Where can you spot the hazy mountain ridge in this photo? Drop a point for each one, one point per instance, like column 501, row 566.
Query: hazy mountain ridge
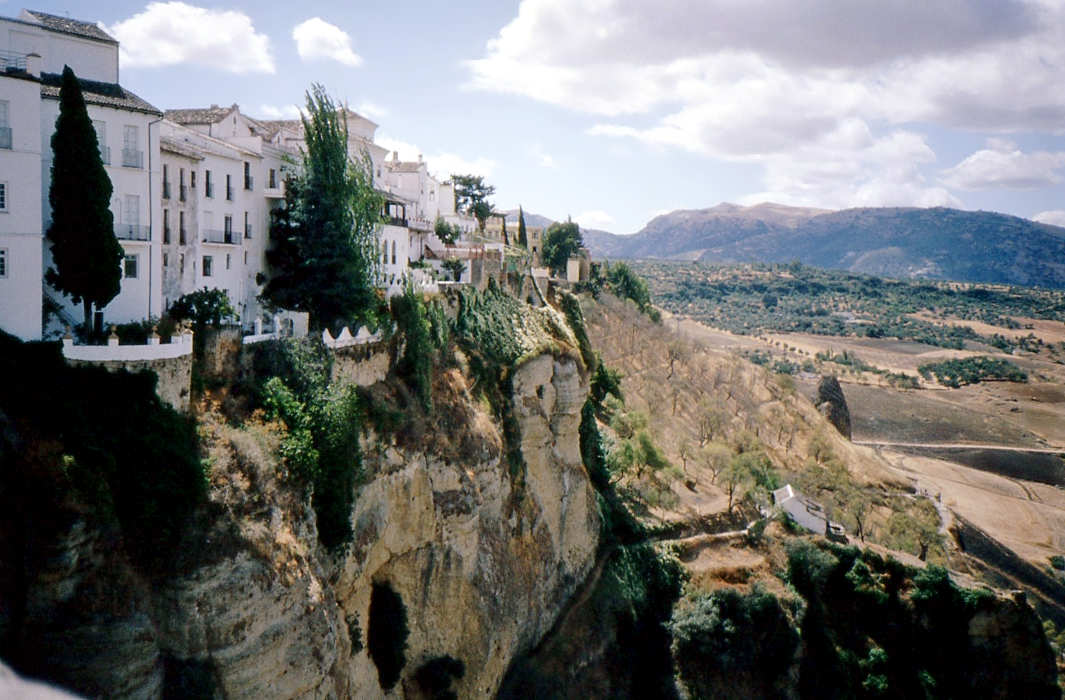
column 891, row 241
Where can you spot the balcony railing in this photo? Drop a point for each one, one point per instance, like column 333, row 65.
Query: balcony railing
column 211, row 235
column 247, row 230
column 11, row 62
column 133, row 232
column 229, row 192
column 274, row 192
column 132, row 158
column 209, row 189
column 105, row 154
column 166, row 189
column 249, row 182
column 395, row 220
column 420, row 224
column 182, row 192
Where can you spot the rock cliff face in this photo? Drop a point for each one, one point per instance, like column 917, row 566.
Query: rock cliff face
column 482, row 555
column 833, row 406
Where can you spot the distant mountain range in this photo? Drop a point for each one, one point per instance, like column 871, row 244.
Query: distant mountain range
column 941, row 243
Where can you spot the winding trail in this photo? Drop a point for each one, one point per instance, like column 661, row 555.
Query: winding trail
column 963, row 446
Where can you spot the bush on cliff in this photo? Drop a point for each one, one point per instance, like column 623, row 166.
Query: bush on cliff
column 322, row 420
column 115, row 447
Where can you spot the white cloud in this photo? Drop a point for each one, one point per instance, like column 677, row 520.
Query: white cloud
column 173, row 33
column 441, row 164
column 279, row 112
column 814, row 92
column 371, row 110
column 595, row 218
column 407, row 151
column 540, row 156
column 444, row 165
column 1055, row 217
column 316, row 39
column 1002, row 164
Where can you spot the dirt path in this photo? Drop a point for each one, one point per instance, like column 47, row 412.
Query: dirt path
column 962, row 446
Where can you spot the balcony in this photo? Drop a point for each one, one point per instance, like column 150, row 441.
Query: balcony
column 11, row 62
column 166, row 190
column 396, row 221
column 249, row 182
column 277, row 191
column 183, row 192
column 211, row 235
column 105, row 155
column 133, row 232
column 420, row 225
column 132, row 158
column 5, row 137
column 229, row 193
column 209, row 189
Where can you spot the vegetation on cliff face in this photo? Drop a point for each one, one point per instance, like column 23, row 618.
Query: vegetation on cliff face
column 323, row 422
column 85, row 437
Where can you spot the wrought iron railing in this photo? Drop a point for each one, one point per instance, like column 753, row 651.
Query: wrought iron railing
column 133, row 232
column 211, row 235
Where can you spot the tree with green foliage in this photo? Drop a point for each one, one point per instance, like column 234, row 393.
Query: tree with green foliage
column 86, row 255
column 203, row 306
column 447, row 233
column 523, row 238
column 471, row 196
column 456, row 267
column 324, row 257
column 561, row 242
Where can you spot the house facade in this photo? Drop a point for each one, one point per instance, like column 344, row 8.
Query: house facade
column 34, row 48
column 193, row 189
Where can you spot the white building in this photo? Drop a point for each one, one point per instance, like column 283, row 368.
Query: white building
column 20, row 200
column 234, row 166
column 35, row 47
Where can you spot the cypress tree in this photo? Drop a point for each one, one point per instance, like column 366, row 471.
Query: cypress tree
column 523, row 241
column 87, row 256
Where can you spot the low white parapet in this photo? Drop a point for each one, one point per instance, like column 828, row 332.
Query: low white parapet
column 179, row 346
column 346, row 339
column 258, row 338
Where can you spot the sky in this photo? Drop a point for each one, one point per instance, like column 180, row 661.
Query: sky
column 615, row 111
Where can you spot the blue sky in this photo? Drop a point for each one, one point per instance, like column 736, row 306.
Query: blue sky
column 612, row 111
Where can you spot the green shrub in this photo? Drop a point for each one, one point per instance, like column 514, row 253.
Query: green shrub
column 725, row 634
column 320, row 448
column 203, row 306
column 972, row 370
column 128, row 456
column 416, row 364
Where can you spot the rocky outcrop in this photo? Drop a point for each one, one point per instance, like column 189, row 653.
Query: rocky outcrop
column 833, row 406
column 482, row 559
column 482, row 551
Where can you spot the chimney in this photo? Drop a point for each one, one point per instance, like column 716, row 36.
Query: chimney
column 33, row 64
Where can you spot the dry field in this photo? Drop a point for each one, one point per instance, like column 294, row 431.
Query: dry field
column 1026, row 516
